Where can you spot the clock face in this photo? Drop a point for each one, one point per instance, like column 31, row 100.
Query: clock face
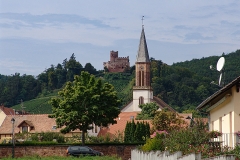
column 141, row 67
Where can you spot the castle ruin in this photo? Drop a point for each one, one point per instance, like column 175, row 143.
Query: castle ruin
column 117, row 64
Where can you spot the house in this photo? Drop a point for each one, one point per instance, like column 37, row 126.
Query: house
column 223, row 108
column 4, row 112
column 32, row 123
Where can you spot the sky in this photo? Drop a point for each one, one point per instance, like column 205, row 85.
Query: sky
column 37, row 34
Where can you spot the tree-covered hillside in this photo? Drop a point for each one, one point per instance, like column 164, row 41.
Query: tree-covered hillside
column 16, row 88
column 181, row 88
column 183, row 85
column 202, row 66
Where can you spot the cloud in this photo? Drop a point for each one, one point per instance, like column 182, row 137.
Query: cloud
column 47, row 32
column 197, row 36
column 18, row 20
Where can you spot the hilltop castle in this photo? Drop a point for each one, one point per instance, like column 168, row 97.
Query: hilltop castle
column 116, row 64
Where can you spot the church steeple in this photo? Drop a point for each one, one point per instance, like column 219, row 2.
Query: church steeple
column 142, row 63
column 142, row 91
column 142, row 55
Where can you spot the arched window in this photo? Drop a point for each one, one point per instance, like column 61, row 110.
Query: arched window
column 141, row 100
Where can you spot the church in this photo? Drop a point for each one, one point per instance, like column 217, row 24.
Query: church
column 142, row 92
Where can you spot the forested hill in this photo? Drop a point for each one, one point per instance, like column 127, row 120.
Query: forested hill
column 186, row 84
column 183, row 85
column 202, row 66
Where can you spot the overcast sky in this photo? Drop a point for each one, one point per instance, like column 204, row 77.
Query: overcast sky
column 36, row 34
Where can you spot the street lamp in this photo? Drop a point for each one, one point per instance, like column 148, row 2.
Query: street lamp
column 13, row 138
column 191, row 122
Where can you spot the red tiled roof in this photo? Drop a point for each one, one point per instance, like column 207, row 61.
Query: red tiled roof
column 204, row 120
column 40, row 122
column 122, row 120
column 6, row 110
column 124, row 117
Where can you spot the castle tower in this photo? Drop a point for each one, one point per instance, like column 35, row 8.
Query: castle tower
column 142, row 91
column 113, row 55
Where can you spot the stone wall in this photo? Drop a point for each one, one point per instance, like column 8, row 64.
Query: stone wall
column 123, row 151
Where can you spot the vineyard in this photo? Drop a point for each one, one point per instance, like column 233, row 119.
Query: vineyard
column 122, row 83
column 36, row 106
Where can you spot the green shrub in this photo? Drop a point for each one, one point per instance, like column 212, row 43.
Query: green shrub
column 156, row 143
column 182, row 140
column 48, row 137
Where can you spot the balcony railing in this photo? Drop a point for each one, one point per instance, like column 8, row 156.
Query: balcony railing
column 227, row 139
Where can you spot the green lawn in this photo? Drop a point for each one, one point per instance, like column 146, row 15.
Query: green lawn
column 64, row 158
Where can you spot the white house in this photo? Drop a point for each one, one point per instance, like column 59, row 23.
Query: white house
column 224, row 112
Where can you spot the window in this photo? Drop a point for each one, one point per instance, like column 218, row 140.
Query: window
column 85, row 149
column 141, row 100
column 24, row 128
column 220, row 124
column 75, row 148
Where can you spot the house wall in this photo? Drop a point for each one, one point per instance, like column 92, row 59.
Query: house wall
column 220, row 116
column 5, row 137
column 94, row 132
column 236, row 109
column 226, row 117
column 2, row 117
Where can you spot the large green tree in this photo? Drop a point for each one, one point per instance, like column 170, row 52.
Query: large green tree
column 85, row 101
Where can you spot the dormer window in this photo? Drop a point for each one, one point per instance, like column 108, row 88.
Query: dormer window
column 24, row 128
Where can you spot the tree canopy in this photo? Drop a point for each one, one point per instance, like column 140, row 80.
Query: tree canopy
column 85, row 101
column 167, row 120
column 148, row 111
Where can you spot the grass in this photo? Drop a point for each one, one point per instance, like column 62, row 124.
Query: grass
column 64, row 158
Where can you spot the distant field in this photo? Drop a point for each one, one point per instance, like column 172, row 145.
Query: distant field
column 65, row 158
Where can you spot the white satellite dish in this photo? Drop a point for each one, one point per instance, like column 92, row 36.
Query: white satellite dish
column 220, row 63
column 219, row 68
column 220, row 79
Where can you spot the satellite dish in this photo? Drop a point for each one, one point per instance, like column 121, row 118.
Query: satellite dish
column 220, row 64
column 219, row 68
column 220, row 79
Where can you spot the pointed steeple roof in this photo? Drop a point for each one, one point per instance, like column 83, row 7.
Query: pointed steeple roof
column 143, row 50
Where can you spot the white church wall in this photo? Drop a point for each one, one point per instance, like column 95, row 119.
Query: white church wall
column 146, row 94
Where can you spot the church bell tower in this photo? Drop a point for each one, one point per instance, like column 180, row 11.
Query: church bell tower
column 142, row 91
